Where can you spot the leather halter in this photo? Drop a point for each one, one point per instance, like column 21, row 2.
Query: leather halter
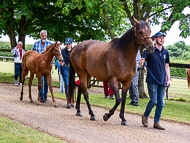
column 141, row 40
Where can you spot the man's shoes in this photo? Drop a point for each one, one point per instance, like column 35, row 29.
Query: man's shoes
column 69, row 105
column 16, row 83
column 20, row 84
column 72, row 105
column 42, row 100
column 133, row 103
column 111, row 97
column 158, row 126
column 45, row 98
column 106, row 96
column 144, row 120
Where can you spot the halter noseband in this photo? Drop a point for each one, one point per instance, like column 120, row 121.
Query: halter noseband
column 142, row 41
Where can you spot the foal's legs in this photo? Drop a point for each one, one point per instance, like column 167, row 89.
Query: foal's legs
column 39, row 87
column 24, row 73
column 48, row 77
column 29, row 85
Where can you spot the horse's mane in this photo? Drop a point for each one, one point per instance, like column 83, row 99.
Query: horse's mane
column 47, row 49
column 126, row 38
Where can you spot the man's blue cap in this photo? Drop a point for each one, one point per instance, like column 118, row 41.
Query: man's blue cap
column 159, row 34
column 68, row 41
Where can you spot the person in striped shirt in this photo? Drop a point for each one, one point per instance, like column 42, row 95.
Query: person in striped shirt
column 40, row 46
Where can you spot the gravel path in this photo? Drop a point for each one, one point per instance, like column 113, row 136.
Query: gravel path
column 62, row 122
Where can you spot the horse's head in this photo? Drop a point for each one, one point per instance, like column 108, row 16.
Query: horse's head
column 57, row 51
column 142, row 34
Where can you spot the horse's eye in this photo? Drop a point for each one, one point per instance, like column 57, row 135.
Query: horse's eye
column 56, row 50
column 141, row 32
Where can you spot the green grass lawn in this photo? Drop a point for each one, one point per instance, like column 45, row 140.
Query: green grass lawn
column 12, row 132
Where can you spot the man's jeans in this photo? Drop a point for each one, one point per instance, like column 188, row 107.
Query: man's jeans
column 156, row 93
column 133, row 90
column 66, row 78
column 18, row 69
column 61, row 82
column 43, row 91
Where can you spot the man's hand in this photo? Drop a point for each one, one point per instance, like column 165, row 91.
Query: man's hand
column 169, row 83
column 141, row 62
column 62, row 64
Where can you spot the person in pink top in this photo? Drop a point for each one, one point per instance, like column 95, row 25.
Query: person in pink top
column 18, row 53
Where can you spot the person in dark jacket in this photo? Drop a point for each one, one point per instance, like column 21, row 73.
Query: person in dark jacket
column 158, row 64
column 65, row 64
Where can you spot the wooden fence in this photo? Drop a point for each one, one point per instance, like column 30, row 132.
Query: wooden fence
column 96, row 83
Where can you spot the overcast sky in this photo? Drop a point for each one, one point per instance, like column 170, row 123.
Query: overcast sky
column 171, row 38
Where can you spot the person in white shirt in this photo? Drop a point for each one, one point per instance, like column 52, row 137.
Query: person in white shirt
column 18, row 53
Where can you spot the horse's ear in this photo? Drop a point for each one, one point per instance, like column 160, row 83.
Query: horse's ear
column 135, row 20
column 146, row 20
column 55, row 43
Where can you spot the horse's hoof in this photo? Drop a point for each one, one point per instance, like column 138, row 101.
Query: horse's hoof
column 56, row 106
column 20, row 99
column 68, row 105
column 105, row 117
column 124, row 123
column 79, row 114
column 31, row 101
column 93, row 118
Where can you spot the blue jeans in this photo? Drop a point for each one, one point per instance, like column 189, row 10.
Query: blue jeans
column 133, row 90
column 61, row 82
column 156, row 93
column 18, row 69
column 66, row 78
column 43, row 91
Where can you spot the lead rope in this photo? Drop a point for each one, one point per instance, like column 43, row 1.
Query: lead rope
column 154, row 77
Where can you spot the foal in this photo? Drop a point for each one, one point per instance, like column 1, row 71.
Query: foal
column 40, row 64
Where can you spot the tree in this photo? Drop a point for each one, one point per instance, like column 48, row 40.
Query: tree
column 61, row 20
column 169, row 11
column 106, row 11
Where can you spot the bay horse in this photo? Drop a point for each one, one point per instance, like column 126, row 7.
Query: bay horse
column 113, row 61
column 40, row 64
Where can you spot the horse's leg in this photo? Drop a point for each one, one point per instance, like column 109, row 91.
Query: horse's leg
column 125, row 87
column 84, row 81
column 39, row 87
column 24, row 73
column 78, row 101
column 29, row 85
column 114, row 87
column 48, row 78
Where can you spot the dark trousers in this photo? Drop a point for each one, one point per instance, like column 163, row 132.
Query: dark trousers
column 18, row 71
column 106, row 90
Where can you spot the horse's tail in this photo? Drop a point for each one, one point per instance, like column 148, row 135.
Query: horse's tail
column 71, row 83
column 24, row 67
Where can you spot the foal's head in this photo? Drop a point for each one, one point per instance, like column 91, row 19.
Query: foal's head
column 142, row 33
column 57, row 51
